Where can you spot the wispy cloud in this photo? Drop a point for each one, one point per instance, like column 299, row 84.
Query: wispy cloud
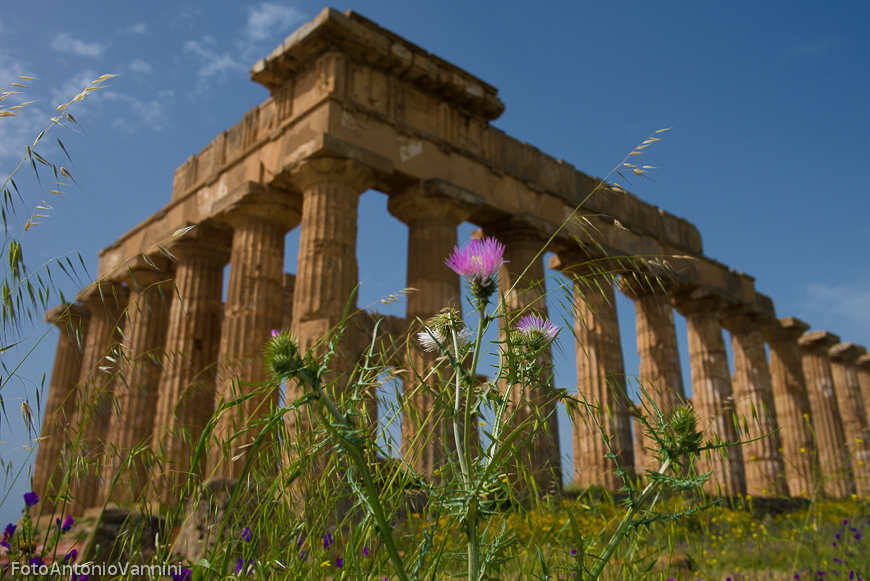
column 268, row 19
column 18, row 131
column 213, row 66
column 66, row 43
column 139, row 67
column 265, row 26
column 136, row 29
column 152, row 113
column 841, row 308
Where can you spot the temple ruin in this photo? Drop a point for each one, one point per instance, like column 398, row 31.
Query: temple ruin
column 354, row 107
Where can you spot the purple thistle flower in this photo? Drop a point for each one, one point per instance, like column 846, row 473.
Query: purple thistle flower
column 478, row 261
column 71, row 556
column 537, row 330
column 30, row 499
column 246, row 535
column 339, row 563
column 183, row 576
column 275, row 333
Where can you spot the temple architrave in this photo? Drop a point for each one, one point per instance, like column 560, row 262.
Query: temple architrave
column 144, row 359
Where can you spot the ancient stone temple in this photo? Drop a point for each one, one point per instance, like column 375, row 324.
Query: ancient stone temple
column 144, row 359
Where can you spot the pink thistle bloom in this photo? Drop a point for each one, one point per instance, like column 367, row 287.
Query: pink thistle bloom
column 478, row 261
column 537, row 329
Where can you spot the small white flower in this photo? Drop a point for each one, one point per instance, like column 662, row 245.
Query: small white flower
column 430, row 339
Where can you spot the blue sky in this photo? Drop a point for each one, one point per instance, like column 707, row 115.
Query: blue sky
column 767, row 155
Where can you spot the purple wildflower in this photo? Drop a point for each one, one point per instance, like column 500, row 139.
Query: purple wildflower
column 327, row 540
column 851, row 575
column 30, row 499
column 183, row 576
column 797, row 576
column 478, row 261
column 240, row 564
column 71, row 556
column 9, row 531
column 246, row 535
column 275, row 333
column 303, row 554
column 845, row 522
column 68, row 522
column 35, row 561
column 77, row 577
column 365, row 550
column 573, row 551
column 339, row 563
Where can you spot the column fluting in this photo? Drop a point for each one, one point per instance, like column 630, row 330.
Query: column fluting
column 712, row 394
column 843, row 357
column 792, row 404
column 660, row 373
column 72, row 322
column 185, row 400
column 831, row 443
column 137, row 383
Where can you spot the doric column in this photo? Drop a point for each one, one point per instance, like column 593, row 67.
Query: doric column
column 185, row 400
column 862, row 369
column 59, row 411
column 843, row 357
column 833, row 456
column 106, row 301
column 792, row 405
column 145, row 324
column 660, row 374
column 260, row 218
column 600, row 375
column 711, row 389
column 432, row 211
column 522, row 282
column 753, row 398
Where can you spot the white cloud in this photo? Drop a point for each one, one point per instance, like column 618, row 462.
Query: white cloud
column 269, row 19
column 213, row 67
column 138, row 28
column 139, row 66
column 151, row 113
column 18, row 131
column 64, row 42
column 841, row 308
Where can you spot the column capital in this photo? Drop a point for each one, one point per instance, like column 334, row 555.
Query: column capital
column 139, row 273
column 519, row 227
column 697, row 300
column 93, row 297
column 863, row 361
column 255, row 201
column 427, row 198
column 748, row 317
column 579, row 262
column 203, row 241
column 847, row 353
column 818, row 341
column 61, row 313
column 642, row 285
column 787, row 328
column 315, row 170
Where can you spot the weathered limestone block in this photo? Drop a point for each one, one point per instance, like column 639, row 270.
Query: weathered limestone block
column 138, row 381
column 59, row 412
column 754, row 405
column 432, row 211
column 260, row 218
column 792, row 405
column 855, row 432
column 660, row 373
column 833, row 456
column 185, row 401
column 600, row 376
column 106, row 301
column 521, row 280
column 711, row 390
